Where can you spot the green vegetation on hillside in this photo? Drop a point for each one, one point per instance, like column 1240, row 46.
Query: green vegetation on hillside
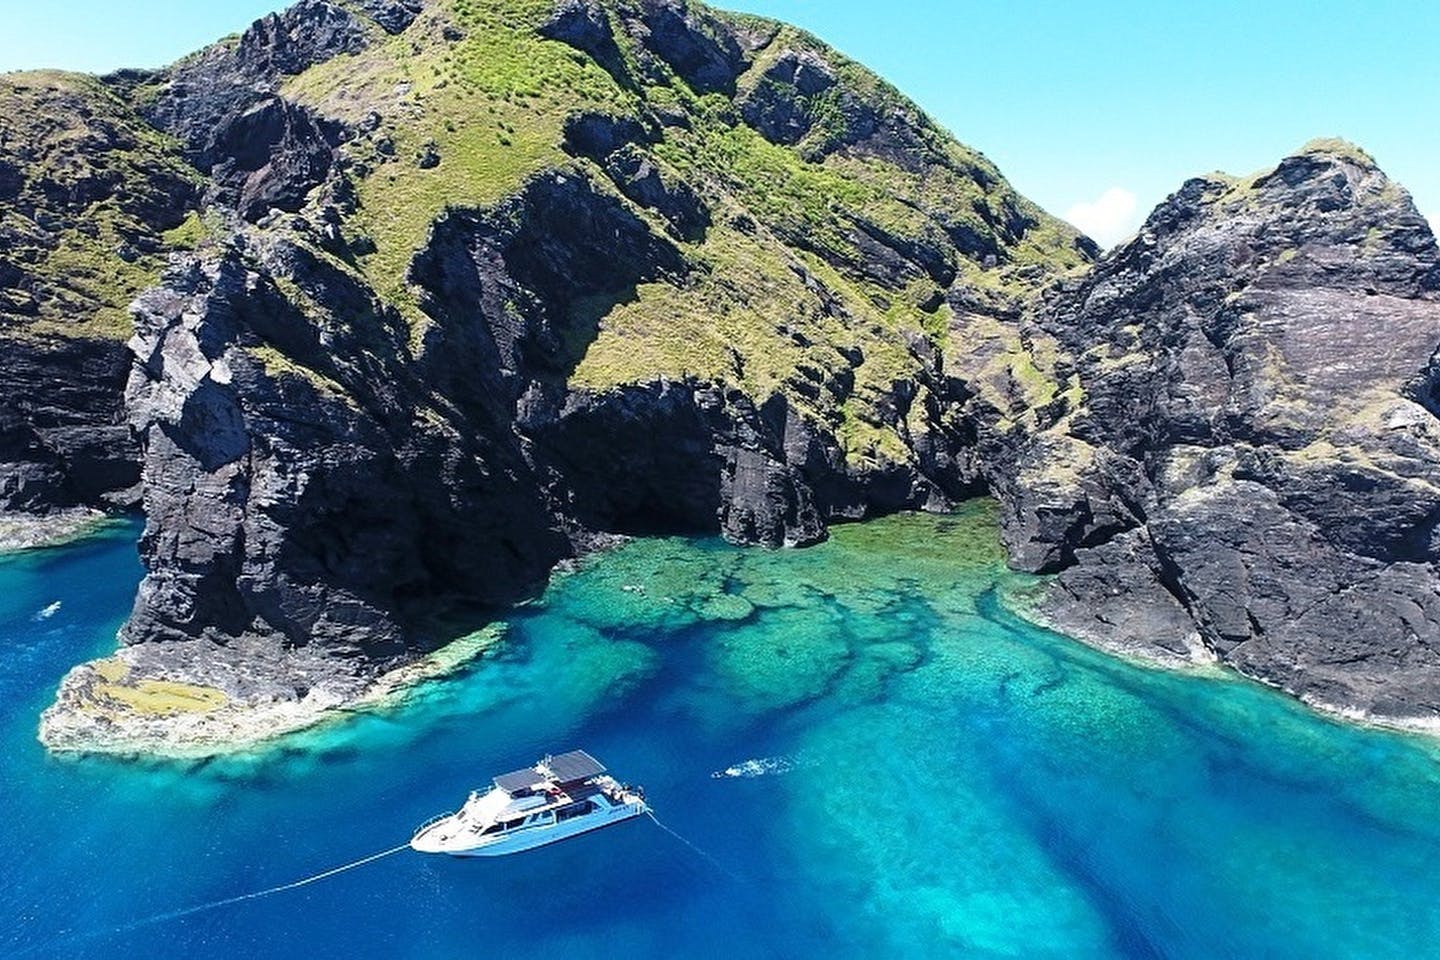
column 491, row 105
column 88, row 192
column 459, row 110
column 780, row 284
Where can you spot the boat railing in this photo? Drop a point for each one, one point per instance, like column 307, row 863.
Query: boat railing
column 431, row 822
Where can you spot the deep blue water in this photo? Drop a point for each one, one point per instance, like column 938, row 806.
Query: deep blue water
column 958, row 784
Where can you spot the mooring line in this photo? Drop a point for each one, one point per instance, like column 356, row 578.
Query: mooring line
column 213, row 904
column 714, row 862
column 304, row 881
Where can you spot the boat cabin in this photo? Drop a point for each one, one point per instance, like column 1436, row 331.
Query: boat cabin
column 554, row 790
column 567, row 770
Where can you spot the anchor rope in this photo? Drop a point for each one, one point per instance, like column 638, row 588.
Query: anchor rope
column 703, row 853
column 215, row 904
column 306, row 881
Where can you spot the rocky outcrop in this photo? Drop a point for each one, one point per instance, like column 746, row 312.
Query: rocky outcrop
column 702, row 50
column 64, row 440
column 392, row 15
column 430, row 337
column 518, row 287
column 196, row 98
column 87, row 193
column 301, row 491
column 684, row 457
column 1256, row 450
column 269, row 157
column 262, row 151
column 584, row 25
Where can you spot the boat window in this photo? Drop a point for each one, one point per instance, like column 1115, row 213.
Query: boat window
column 493, row 828
column 512, row 824
column 574, row 810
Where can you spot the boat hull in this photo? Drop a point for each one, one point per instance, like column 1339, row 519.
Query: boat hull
column 529, row 839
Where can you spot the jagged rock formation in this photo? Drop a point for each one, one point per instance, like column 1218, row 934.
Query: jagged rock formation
column 475, row 286
column 458, row 289
column 87, row 195
column 1256, row 450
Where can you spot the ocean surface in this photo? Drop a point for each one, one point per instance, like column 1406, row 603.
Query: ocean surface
column 871, row 756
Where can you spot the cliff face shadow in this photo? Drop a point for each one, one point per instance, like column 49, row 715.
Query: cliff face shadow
column 638, row 460
column 517, row 290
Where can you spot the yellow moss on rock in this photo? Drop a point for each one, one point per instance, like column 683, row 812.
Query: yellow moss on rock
column 160, row 697
column 111, row 669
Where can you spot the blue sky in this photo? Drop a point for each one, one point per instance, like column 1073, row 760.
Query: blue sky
column 1109, row 104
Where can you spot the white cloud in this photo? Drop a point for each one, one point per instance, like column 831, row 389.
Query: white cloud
column 1108, row 219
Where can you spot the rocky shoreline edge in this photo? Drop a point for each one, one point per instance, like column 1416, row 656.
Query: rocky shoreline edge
column 127, row 706
column 1191, row 656
column 27, row 531
column 109, row 707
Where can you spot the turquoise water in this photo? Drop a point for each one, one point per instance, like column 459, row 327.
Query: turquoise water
column 938, row 779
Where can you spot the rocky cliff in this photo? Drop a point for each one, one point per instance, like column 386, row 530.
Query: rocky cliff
column 91, row 198
column 1252, row 470
column 439, row 294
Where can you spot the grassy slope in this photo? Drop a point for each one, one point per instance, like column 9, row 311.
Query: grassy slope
column 94, row 213
column 493, row 105
column 475, row 83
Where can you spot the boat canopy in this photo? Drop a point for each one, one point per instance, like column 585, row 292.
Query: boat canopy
column 572, row 766
column 565, row 768
column 520, row 780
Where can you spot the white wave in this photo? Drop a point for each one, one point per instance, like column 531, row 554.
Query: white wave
column 49, row 611
column 758, row 767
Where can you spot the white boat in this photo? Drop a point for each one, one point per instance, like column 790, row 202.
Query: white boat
column 558, row 798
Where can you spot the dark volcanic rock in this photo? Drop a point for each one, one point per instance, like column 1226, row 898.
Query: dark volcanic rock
column 519, row 287
column 1254, row 438
column 619, row 144
column 263, row 152
column 639, row 177
column 641, row 459
column 291, row 503
column 701, row 49
column 393, row 15
column 597, row 135
column 200, row 93
column 707, row 50
column 807, row 98
column 679, row 458
column 584, row 25
column 780, row 104
column 63, row 437
column 270, row 157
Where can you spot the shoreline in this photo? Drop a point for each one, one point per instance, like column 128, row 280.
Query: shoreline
column 116, row 707
column 1203, row 662
column 106, row 708
column 20, row 532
